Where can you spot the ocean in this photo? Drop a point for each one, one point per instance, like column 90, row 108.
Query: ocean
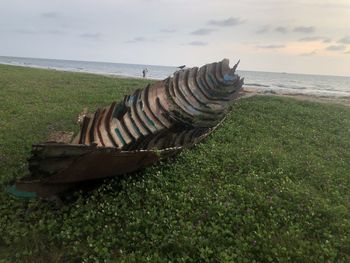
column 269, row 82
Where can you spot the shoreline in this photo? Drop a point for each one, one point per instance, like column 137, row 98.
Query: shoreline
column 247, row 90
column 113, row 75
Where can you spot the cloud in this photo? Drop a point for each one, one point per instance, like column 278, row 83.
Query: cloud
column 307, row 54
column 26, row 31
column 50, row 15
column 203, row 31
column 55, row 32
column 37, row 32
column 270, row 46
column 91, row 35
column 167, row 30
column 263, row 29
column 336, row 48
column 344, row 40
column 281, row 29
column 315, row 38
column 231, row 21
column 140, row 40
column 197, row 43
column 137, row 39
column 304, row 29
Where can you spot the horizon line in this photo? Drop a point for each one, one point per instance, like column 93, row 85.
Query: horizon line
column 248, row 70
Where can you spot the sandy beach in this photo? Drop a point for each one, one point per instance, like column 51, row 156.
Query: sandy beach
column 248, row 92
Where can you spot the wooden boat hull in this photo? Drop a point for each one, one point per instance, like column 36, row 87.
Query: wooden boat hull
column 151, row 124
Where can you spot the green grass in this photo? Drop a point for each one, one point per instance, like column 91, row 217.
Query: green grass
column 271, row 184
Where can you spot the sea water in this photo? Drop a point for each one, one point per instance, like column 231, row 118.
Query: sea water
column 285, row 83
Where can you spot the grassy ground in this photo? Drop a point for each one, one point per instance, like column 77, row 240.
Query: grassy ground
column 272, row 184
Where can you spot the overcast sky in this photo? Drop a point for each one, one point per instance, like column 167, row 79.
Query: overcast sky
column 310, row 36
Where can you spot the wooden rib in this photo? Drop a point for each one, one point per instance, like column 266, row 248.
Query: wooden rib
column 117, row 133
column 98, row 128
column 203, row 119
column 83, row 129
column 210, row 87
column 130, row 126
column 164, row 111
column 234, row 87
column 135, row 116
column 193, row 93
column 164, row 98
column 150, row 126
column 195, row 89
column 87, row 134
column 163, row 105
column 214, row 104
column 182, row 85
column 93, row 130
column 218, row 73
column 178, row 100
column 179, row 92
column 124, row 131
column 146, row 107
column 220, row 76
column 141, row 113
column 152, row 97
column 219, row 94
column 105, row 129
column 211, row 80
column 136, row 126
column 202, row 86
column 222, row 70
column 226, row 89
column 169, row 93
column 190, row 91
column 115, row 141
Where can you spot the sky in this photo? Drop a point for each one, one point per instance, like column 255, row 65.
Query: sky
column 310, row 36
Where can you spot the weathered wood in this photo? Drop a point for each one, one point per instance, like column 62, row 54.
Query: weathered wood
column 150, row 124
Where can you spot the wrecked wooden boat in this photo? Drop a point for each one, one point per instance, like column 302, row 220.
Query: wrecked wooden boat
column 153, row 123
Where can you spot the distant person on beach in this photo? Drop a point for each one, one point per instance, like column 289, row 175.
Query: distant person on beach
column 144, row 72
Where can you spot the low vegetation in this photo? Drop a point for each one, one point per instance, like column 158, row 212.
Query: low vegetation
column 271, row 184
